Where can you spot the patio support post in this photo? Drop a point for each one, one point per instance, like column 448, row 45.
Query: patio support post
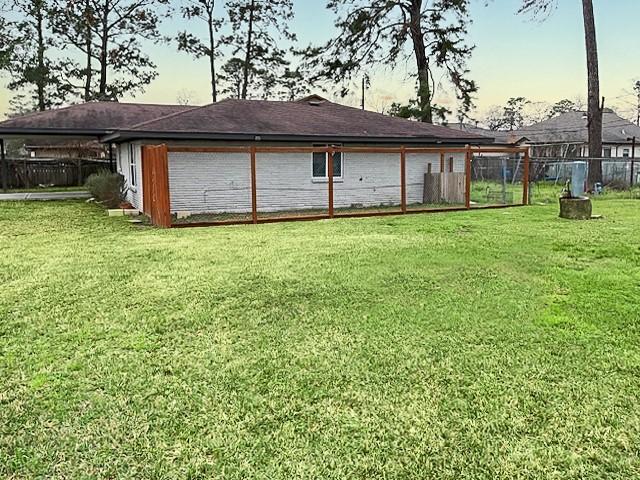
column 254, row 200
column 330, row 179
column 79, row 166
column 403, row 179
column 525, row 178
column 3, row 161
column 467, row 177
column 111, row 162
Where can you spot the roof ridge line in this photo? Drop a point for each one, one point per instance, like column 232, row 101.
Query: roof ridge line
column 41, row 112
column 171, row 115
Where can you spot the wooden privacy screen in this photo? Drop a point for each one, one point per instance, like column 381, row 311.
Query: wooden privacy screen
column 155, row 180
column 155, row 185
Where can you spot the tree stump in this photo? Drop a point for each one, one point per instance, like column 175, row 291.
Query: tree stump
column 576, row 208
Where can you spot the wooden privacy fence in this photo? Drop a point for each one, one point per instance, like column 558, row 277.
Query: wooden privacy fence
column 30, row 172
column 453, row 186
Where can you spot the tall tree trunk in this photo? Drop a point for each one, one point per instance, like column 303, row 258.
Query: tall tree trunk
column 247, row 57
column 104, row 45
column 88, row 18
column 41, row 79
column 422, row 62
column 594, row 108
column 212, row 58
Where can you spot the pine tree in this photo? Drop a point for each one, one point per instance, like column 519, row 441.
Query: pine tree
column 25, row 45
column 108, row 35
column 378, row 32
column 257, row 28
column 204, row 11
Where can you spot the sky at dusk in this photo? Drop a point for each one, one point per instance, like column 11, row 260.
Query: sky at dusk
column 514, row 56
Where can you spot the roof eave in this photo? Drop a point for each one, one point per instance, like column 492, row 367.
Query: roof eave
column 123, row 136
column 64, row 132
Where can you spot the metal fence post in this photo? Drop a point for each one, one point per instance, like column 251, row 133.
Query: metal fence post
column 467, row 177
column 525, row 179
column 3, row 166
column 254, row 200
column 330, row 180
column 403, row 179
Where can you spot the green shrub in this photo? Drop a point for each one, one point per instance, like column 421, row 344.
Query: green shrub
column 108, row 188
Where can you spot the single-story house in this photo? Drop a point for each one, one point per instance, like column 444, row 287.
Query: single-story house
column 210, row 171
column 64, row 149
column 567, row 136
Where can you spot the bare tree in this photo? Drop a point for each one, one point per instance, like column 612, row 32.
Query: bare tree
column 185, row 97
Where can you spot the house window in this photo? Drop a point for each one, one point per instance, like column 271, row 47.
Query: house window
column 625, row 153
column 320, row 161
column 132, row 165
column 607, row 152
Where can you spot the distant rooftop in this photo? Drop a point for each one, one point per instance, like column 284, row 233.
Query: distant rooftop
column 572, row 128
column 499, row 136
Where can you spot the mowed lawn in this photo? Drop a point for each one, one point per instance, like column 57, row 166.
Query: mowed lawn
column 487, row 344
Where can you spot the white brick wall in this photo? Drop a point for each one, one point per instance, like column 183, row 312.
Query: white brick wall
column 217, row 183
column 134, row 194
column 210, row 182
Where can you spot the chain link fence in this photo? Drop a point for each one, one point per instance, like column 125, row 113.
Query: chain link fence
column 549, row 176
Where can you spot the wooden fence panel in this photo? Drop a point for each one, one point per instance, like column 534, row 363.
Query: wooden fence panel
column 444, row 188
column 28, row 172
column 155, row 185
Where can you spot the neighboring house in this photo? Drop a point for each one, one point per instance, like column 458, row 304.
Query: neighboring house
column 566, row 136
column 64, row 149
column 205, row 182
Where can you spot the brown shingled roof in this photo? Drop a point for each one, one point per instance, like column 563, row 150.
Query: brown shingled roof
column 294, row 119
column 92, row 117
column 310, row 119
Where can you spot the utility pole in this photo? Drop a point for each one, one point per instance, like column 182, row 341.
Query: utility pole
column 363, row 90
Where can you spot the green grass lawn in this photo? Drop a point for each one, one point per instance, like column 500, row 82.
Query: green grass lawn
column 486, row 344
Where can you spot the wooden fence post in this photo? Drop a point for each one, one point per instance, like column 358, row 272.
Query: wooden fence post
column 254, row 199
column 403, row 179
column 330, row 180
column 525, row 179
column 467, row 177
column 79, row 162
column 25, row 172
